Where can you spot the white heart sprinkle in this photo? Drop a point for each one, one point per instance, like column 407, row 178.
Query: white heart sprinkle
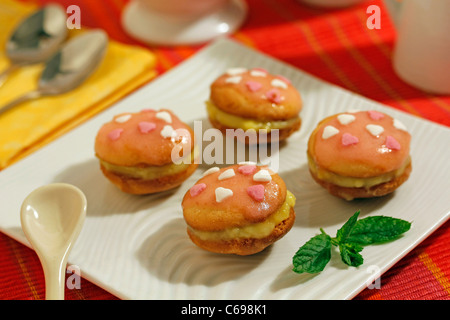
column 123, row 118
column 210, row 171
column 399, row 125
column 262, row 175
column 279, row 83
column 329, row 131
column 222, row 194
column 258, row 73
column 164, row 115
column 247, row 163
column 235, row 79
column 227, row 174
column 235, row 71
column 167, row 132
column 345, row 119
column 374, row 129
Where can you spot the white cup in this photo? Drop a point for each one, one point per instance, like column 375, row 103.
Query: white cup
column 182, row 22
column 187, row 9
column 422, row 51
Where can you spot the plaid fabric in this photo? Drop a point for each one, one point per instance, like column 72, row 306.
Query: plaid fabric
column 334, row 45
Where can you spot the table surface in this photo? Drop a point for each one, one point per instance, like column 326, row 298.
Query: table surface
column 334, row 45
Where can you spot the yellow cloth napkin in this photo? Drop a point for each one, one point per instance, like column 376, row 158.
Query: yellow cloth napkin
column 32, row 124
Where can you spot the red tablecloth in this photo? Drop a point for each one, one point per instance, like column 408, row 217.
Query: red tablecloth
column 334, row 45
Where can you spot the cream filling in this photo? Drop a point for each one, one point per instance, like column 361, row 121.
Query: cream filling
column 151, row 172
column 353, row 182
column 234, row 121
column 257, row 230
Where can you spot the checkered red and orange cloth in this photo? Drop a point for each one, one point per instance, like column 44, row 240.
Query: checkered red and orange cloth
column 334, row 45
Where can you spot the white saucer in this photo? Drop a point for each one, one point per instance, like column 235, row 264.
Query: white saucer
column 157, row 28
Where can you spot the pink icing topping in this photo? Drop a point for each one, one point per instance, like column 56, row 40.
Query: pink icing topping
column 391, row 143
column 256, row 192
column 273, row 95
column 115, row 134
column 197, row 189
column 375, row 115
column 247, row 169
column 348, row 139
column 253, row 85
column 146, row 127
column 375, row 153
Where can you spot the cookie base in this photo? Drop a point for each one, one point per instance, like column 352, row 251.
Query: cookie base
column 139, row 186
column 356, row 193
column 246, row 246
column 283, row 133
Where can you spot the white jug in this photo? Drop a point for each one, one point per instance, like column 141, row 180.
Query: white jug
column 422, row 51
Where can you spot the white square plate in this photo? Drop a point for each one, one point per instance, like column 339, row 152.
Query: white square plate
column 136, row 247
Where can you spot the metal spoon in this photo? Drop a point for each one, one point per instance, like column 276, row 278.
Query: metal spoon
column 69, row 67
column 36, row 38
column 52, row 217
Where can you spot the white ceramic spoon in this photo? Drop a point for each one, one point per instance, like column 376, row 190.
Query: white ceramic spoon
column 52, row 217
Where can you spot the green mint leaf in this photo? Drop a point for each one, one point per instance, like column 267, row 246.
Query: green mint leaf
column 350, row 254
column 344, row 232
column 377, row 229
column 314, row 255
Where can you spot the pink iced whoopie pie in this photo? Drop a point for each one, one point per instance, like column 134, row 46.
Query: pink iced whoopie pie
column 135, row 151
column 255, row 99
column 240, row 209
column 360, row 154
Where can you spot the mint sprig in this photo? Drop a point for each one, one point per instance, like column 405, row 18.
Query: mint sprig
column 351, row 238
